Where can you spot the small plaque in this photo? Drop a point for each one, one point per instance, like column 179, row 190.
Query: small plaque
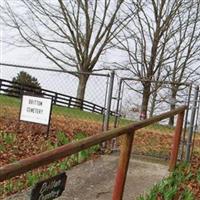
column 49, row 189
column 35, row 109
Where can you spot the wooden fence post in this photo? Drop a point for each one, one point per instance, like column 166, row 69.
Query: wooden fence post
column 81, row 104
column 69, row 104
column 176, row 141
column 55, row 98
column 93, row 109
column 125, row 152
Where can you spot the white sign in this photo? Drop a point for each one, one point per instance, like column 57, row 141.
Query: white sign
column 35, row 109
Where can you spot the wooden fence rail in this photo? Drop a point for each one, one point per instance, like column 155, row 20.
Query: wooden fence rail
column 25, row 165
column 17, row 90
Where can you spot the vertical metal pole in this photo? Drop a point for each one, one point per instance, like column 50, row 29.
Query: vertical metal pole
column 122, row 96
column 124, row 158
column 118, row 101
column 197, row 116
column 105, row 102
column 49, row 123
column 195, row 129
column 192, row 121
column 183, row 142
column 109, row 101
column 176, row 141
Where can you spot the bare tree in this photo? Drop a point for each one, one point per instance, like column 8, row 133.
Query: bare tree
column 146, row 41
column 154, row 91
column 186, row 48
column 70, row 33
column 151, row 42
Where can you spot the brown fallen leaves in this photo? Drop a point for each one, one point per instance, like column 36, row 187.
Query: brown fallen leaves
column 30, row 140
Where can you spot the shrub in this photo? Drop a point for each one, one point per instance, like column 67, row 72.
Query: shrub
column 24, row 83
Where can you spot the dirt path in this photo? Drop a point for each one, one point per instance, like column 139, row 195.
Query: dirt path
column 93, row 180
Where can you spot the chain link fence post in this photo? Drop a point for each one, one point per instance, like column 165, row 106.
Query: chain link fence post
column 183, row 140
column 106, row 119
column 118, row 103
column 192, row 121
column 109, row 101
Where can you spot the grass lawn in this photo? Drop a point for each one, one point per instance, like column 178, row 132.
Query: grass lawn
column 9, row 101
column 6, row 101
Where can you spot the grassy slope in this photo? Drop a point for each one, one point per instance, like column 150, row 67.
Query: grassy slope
column 57, row 110
column 76, row 113
column 60, row 110
column 9, row 101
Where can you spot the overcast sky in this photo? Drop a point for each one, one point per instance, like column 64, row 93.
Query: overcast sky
column 96, row 87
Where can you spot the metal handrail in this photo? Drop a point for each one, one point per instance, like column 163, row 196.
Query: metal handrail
column 25, row 165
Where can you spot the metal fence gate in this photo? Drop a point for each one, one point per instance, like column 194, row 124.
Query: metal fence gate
column 128, row 106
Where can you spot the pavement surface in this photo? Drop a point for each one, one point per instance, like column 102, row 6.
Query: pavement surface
column 94, row 180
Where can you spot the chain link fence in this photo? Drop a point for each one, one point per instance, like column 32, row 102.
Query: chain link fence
column 104, row 92
column 72, row 119
column 70, row 114
column 156, row 140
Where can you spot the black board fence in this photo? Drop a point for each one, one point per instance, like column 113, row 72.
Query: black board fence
column 12, row 89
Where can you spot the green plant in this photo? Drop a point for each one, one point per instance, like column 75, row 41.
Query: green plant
column 64, row 165
column 9, row 138
column 151, row 195
column 61, row 138
column 94, row 149
column 49, row 145
column 79, row 136
column 187, row 195
column 9, row 186
column 168, row 188
column 170, row 192
column 84, row 154
column 32, row 178
column 2, row 148
column 19, row 185
column 52, row 170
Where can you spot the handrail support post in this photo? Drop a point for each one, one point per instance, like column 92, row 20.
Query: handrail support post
column 176, row 141
column 125, row 153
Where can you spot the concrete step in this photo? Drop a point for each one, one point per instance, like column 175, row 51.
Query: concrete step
column 93, row 180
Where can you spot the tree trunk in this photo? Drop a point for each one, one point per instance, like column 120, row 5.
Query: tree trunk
column 153, row 104
column 83, row 78
column 145, row 100
column 172, row 105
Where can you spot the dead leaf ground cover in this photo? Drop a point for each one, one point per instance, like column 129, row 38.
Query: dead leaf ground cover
column 20, row 140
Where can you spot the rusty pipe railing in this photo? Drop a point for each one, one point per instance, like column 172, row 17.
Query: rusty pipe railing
column 25, row 165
